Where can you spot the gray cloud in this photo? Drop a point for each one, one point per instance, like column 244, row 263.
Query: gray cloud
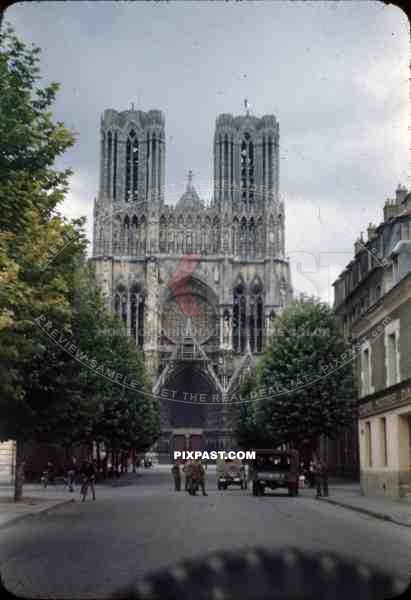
column 335, row 74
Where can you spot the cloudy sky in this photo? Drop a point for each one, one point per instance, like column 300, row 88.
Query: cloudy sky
column 335, row 74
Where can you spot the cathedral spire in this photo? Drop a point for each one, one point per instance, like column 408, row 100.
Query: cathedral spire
column 189, row 181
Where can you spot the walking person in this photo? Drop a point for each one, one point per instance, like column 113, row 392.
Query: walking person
column 71, row 474
column 187, row 472
column 321, row 478
column 88, row 473
column 197, row 478
column 202, row 472
column 175, row 470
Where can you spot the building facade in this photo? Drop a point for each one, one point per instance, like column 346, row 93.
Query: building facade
column 373, row 300
column 7, row 461
column 240, row 279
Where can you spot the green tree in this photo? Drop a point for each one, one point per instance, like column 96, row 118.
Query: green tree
column 307, row 396
column 126, row 416
column 31, row 228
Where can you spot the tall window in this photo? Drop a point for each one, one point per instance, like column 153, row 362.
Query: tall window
column 366, row 372
column 115, row 167
column 117, row 305
column 133, row 316
column 132, row 161
column 247, row 172
column 251, row 239
column 140, row 334
column 239, row 320
column 109, row 158
column 243, row 238
column 368, row 444
column 135, row 161
column 384, row 452
column 124, row 309
column 256, row 319
column 392, row 359
column 128, row 192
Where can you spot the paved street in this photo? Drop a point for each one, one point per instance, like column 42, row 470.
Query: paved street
column 93, row 548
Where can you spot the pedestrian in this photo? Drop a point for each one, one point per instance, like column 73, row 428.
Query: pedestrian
column 202, row 478
column 88, row 473
column 311, row 474
column 321, row 478
column 197, row 478
column 71, row 474
column 187, row 472
column 175, row 470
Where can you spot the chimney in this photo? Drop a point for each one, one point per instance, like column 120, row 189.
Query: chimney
column 391, row 209
column 358, row 245
column 371, row 232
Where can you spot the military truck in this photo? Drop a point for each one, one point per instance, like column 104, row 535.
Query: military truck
column 231, row 472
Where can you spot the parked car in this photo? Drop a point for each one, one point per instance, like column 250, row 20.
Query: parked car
column 275, row 469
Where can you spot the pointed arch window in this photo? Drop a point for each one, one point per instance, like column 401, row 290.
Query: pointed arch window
column 216, row 236
column 236, row 235
column 117, row 233
column 256, row 318
column 115, row 167
column 127, row 196
column 133, row 316
column 109, row 158
column 142, row 236
column 124, row 309
column 260, row 238
column 134, row 236
column 239, row 320
column 140, row 333
column 243, row 238
column 135, row 160
column 125, row 234
column 117, row 305
column 251, row 238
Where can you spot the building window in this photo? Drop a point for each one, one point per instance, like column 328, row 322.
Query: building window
column 384, row 452
column 239, row 320
column 368, row 444
column 256, row 318
column 366, row 371
column 109, row 152
column 115, row 167
column 392, row 359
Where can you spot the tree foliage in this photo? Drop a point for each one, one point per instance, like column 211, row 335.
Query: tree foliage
column 46, row 393
column 309, row 388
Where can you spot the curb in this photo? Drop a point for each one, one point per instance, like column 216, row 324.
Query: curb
column 46, row 509
column 366, row 511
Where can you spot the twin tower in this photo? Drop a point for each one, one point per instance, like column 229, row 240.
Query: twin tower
column 143, row 225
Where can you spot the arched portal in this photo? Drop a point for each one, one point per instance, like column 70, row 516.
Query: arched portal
column 184, row 414
column 189, row 388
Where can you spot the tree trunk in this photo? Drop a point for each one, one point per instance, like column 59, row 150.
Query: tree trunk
column 19, row 473
column 134, row 458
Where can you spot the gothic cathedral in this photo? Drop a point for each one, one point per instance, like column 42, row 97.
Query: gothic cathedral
column 240, row 279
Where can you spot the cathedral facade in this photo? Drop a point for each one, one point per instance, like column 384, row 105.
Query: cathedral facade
column 231, row 245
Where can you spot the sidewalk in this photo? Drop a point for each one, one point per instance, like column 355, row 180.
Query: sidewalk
column 35, row 500
column 349, row 496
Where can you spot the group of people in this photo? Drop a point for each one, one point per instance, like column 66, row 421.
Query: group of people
column 317, row 476
column 87, row 473
column 194, row 473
